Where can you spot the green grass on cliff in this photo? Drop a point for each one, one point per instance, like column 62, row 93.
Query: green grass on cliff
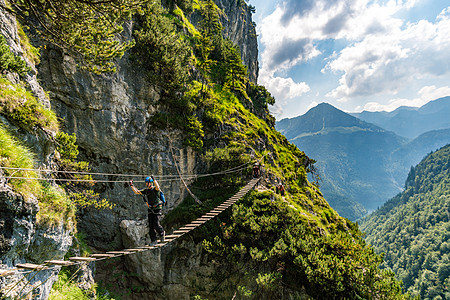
column 65, row 288
column 55, row 206
column 21, row 107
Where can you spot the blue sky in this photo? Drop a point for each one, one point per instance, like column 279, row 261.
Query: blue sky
column 354, row 54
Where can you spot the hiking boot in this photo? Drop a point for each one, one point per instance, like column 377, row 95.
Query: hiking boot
column 153, row 243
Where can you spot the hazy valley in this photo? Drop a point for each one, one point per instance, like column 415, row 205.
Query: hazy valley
column 361, row 164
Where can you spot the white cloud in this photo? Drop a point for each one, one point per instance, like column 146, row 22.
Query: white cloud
column 426, row 94
column 432, row 92
column 385, row 55
column 283, row 88
column 369, row 65
column 276, row 109
column 392, row 105
column 388, row 63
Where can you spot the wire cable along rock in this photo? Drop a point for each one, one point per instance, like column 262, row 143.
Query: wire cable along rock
column 53, row 264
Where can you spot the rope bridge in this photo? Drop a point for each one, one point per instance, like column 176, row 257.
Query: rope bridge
column 52, row 264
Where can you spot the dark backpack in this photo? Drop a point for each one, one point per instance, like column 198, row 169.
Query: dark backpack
column 153, row 198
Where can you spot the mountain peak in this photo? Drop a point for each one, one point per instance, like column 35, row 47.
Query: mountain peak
column 318, row 118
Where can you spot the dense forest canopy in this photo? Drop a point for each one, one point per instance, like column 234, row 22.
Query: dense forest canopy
column 413, row 228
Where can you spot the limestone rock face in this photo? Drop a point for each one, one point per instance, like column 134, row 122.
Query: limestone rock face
column 8, row 28
column 111, row 115
column 170, row 272
column 22, row 241
column 239, row 28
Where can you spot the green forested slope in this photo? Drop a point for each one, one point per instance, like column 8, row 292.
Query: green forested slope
column 413, row 229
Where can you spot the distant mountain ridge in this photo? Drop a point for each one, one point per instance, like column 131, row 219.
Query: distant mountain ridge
column 412, row 121
column 361, row 165
column 323, row 116
column 347, row 151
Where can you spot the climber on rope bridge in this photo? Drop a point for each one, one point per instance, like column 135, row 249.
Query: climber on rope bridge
column 152, row 196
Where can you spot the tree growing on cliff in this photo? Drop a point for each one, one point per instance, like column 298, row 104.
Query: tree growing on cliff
column 89, row 29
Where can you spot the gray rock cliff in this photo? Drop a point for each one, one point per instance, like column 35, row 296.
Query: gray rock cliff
column 239, row 27
column 21, row 239
column 111, row 116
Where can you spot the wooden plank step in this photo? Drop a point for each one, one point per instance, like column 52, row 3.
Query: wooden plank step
column 206, row 219
column 189, row 226
column 76, row 258
column 59, row 262
column 133, row 250
column 29, row 266
column 148, row 247
column 101, row 255
column 230, row 202
column 4, row 273
column 199, row 221
column 119, row 252
column 233, row 199
column 172, row 236
column 160, row 244
column 168, row 240
column 181, row 231
column 212, row 213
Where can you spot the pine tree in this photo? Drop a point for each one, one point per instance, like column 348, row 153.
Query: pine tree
column 89, row 29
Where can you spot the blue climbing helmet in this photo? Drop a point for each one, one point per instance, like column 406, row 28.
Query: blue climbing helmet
column 148, row 179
